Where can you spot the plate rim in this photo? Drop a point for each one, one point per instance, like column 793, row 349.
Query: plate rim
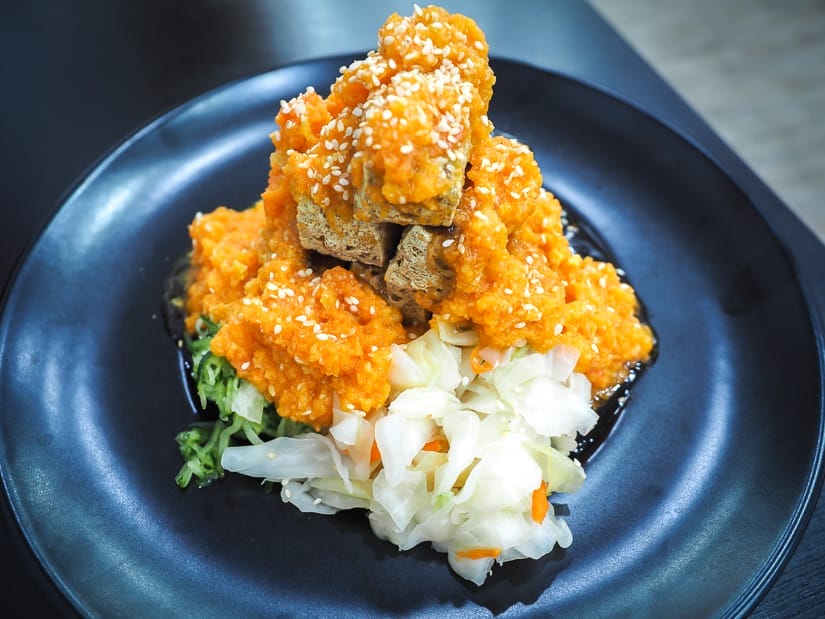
column 794, row 528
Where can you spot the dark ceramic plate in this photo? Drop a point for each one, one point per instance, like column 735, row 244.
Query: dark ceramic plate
column 690, row 508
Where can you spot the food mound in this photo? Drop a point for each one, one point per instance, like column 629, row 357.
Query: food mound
column 400, row 324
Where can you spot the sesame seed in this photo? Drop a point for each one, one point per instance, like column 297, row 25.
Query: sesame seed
column 447, row 242
column 558, row 328
column 277, row 329
column 406, row 149
column 245, row 365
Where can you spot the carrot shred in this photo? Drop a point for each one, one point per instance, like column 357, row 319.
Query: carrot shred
column 375, row 454
column 437, row 444
column 479, row 553
column 540, row 503
column 478, row 364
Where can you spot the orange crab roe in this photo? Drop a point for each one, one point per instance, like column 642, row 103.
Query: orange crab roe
column 517, row 280
column 319, row 137
column 303, row 335
column 299, row 336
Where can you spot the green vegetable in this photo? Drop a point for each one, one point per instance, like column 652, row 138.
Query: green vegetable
column 202, row 446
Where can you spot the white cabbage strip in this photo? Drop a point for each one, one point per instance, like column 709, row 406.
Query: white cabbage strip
column 462, row 455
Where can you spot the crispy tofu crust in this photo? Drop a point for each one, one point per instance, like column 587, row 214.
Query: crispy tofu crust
column 345, row 238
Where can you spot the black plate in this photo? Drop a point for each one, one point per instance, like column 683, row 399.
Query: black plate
column 690, row 508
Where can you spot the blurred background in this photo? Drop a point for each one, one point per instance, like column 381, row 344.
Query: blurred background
column 755, row 70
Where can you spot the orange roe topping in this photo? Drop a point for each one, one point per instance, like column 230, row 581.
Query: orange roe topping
column 518, row 281
column 301, row 336
column 401, row 110
column 225, row 254
column 419, row 121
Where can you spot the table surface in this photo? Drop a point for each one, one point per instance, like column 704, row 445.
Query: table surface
column 753, row 70
column 79, row 78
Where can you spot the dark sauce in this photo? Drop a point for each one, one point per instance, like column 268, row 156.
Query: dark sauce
column 174, row 299
column 173, row 310
column 583, row 239
column 609, row 404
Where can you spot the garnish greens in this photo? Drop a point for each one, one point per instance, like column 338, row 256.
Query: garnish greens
column 244, row 416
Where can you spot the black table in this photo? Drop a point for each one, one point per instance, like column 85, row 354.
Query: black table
column 79, row 78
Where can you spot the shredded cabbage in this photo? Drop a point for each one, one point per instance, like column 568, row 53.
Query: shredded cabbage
column 461, row 460
column 243, row 414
